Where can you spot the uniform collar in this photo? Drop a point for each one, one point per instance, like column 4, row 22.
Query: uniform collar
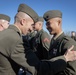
column 15, row 28
column 18, row 29
column 58, row 35
column 40, row 31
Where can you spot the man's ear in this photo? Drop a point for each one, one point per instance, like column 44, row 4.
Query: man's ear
column 59, row 22
column 22, row 22
column 1, row 25
column 40, row 24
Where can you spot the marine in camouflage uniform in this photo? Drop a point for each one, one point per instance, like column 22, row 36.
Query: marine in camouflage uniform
column 59, row 43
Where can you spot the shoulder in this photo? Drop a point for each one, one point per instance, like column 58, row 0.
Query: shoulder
column 68, row 42
column 45, row 35
column 68, row 39
column 11, row 35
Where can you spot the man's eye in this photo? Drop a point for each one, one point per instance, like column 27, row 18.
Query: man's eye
column 47, row 23
column 32, row 24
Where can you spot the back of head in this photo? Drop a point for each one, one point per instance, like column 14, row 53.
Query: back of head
column 41, row 19
column 21, row 15
column 4, row 17
column 52, row 14
column 4, row 22
column 39, row 24
column 73, row 33
column 29, row 11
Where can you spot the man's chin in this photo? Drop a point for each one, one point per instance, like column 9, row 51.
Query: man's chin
column 25, row 33
column 50, row 32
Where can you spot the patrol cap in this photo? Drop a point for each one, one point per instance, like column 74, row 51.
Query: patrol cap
column 52, row 14
column 5, row 17
column 41, row 19
column 29, row 11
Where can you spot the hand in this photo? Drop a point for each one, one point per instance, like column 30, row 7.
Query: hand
column 70, row 55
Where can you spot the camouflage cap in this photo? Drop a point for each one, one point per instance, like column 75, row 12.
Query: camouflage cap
column 52, row 14
column 41, row 19
column 29, row 11
column 5, row 17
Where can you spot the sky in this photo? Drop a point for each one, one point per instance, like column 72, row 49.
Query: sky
column 67, row 7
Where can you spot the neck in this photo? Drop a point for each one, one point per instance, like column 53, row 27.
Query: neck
column 58, row 32
column 39, row 29
column 57, row 35
column 18, row 27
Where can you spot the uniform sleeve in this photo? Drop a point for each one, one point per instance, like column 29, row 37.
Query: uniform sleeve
column 52, row 66
column 67, row 43
column 43, row 67
column 46, row 67
column 71, row 66
column 45, row 38
column 18, row 55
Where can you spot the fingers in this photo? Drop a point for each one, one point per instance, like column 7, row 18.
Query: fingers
column 71, row 48
column 74, row 52
column 74, row 55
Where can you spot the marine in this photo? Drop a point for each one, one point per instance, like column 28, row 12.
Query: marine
column 41, row 42
column 60, row 42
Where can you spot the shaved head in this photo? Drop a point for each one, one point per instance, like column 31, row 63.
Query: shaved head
column 21, row 15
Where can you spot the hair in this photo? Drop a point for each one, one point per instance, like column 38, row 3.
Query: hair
column 21, row 15
column 42, row 23
column 2, row 20
column 59, row 19
column 73, row 32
